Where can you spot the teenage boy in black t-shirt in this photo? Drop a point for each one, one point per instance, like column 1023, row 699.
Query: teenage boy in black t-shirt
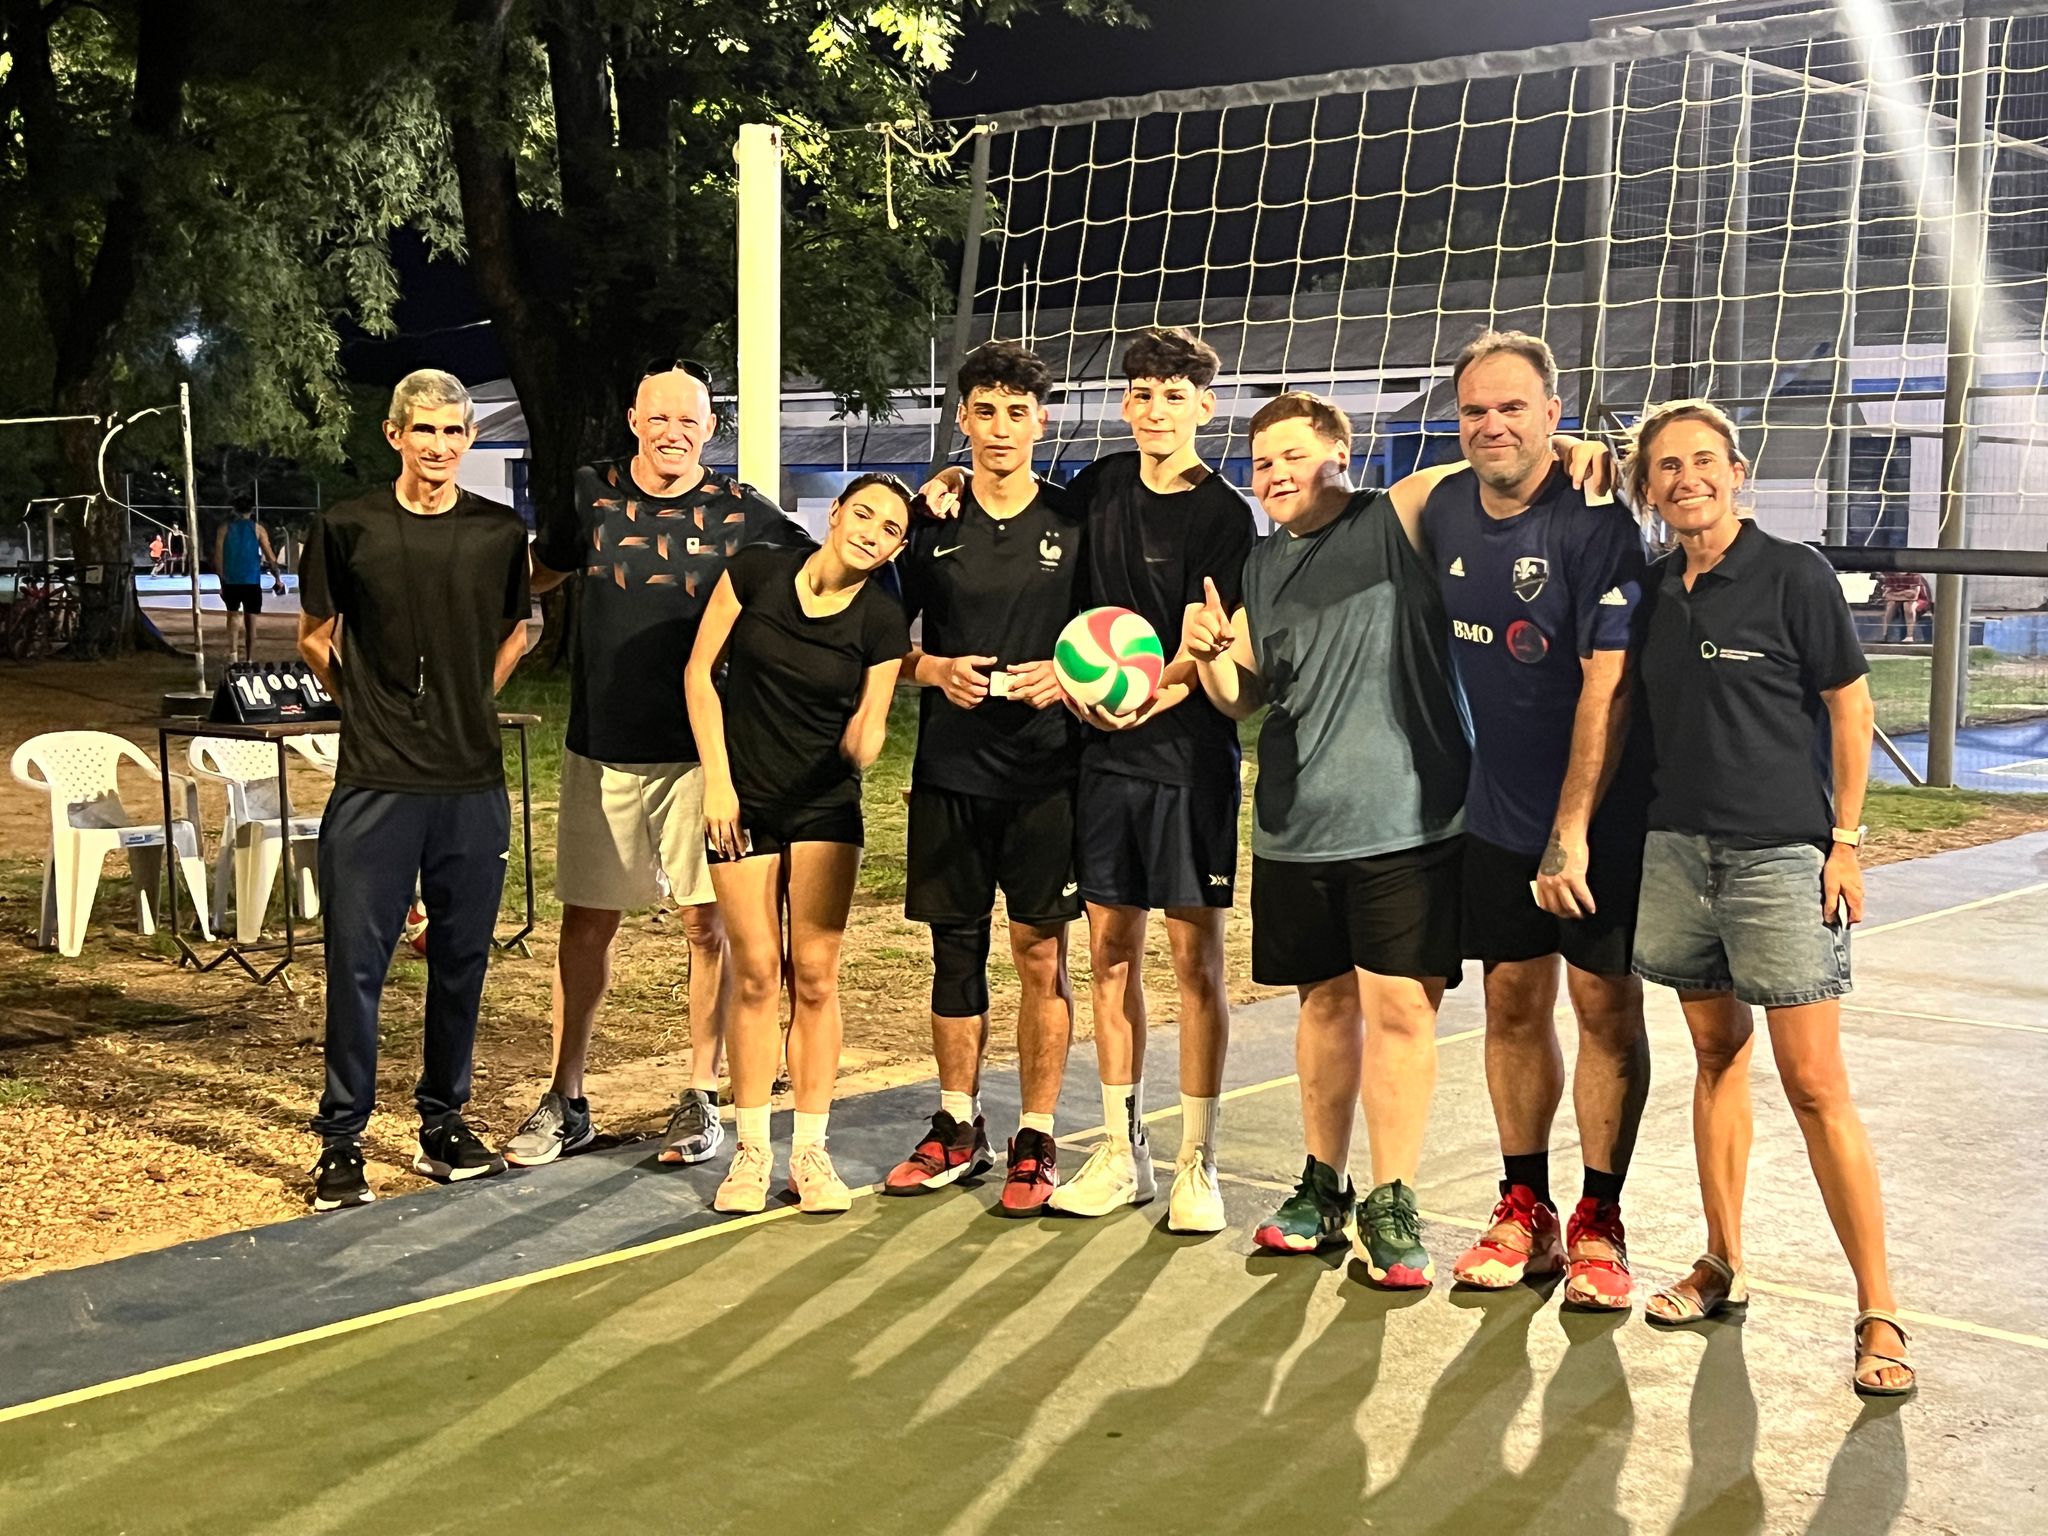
column 1158, row 792
column 414, row 613
column 649, row 538
column 992, row 796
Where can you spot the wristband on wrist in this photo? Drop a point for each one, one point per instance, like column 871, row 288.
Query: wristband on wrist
column 1851, row 836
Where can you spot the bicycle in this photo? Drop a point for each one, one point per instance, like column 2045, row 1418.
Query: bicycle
column 43, row 618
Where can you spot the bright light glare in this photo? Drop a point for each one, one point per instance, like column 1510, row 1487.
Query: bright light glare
column 188, row 345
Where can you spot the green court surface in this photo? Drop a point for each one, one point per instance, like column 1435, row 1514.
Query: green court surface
column 922, row 1366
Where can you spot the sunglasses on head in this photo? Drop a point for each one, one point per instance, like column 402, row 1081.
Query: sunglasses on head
column 691, row 366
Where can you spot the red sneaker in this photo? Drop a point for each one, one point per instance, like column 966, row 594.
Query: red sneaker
column 1597, row 1275
column 948, row 1153
column 1029, row 1183
column 1523, row 1241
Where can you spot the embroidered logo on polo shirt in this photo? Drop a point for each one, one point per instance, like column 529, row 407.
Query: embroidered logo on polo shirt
column 1712, row 652
column 1458, row 566
column 1049, row 552
column 1531, row 572
column 1612, row 598
column 950, row 549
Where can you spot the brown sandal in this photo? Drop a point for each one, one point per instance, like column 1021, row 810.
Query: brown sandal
column 1877, row 1360
column 1690, row 1308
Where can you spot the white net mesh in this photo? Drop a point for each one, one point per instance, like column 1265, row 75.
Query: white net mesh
column 1765, row 211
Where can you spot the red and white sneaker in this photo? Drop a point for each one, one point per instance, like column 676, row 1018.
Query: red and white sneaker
column 1033, row 1170
column 1596, row 1247
column 949, row 1152
column 1523, row 1242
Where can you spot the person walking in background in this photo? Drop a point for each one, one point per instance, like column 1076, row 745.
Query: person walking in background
column 242, row 557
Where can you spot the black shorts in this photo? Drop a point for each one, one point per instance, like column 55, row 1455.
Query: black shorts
column 1395, row 914
column 773, row 831
column 1156, row 846
column 246, row 596
column 1503, row 923
column 962, row 847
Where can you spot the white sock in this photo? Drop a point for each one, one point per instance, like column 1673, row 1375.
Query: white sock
column 961, row 1106
column 751, row 1126
column 1030, row 1122
column 1197, row 1127
column 810, row 1129
column 1123, row 1109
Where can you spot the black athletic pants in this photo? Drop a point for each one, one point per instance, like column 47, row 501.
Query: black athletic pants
column 372, row 845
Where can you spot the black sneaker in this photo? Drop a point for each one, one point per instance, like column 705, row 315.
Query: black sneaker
column 694, row 1131
column 450, row 1152
column 560, row 1125
column 338, row 1180
column 1315, row 1216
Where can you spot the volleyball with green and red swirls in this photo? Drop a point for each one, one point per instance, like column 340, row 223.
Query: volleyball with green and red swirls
column 1110, row 658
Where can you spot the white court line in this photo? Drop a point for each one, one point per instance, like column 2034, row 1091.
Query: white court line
column 1968, row 906
column 1946, row 1018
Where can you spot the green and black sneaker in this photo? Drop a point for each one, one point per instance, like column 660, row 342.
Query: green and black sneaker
column 1390, row 1239
column 1315, row 1216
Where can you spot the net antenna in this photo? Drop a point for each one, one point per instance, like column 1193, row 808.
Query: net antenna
column 1832, row 219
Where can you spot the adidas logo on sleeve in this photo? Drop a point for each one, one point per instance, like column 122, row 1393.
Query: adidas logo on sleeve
column 1612, row 598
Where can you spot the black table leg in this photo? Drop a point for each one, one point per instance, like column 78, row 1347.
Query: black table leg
column 172, row 869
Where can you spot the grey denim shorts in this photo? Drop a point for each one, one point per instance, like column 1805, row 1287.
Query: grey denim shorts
column 1743, row 920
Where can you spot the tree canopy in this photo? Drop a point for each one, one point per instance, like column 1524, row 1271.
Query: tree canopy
column 168, row 169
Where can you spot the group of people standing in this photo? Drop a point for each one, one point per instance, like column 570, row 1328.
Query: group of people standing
column 1493, row 729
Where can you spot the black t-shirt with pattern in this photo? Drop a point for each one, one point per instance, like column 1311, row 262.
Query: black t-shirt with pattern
column 649, row 564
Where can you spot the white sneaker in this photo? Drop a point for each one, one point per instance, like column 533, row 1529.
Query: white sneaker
column 746, row 1181
column 1116, row 1174
column 1196, row 1204
column 815, row 1182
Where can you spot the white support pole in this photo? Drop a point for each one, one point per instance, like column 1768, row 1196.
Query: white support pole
column 760, row 306
column 192, row 540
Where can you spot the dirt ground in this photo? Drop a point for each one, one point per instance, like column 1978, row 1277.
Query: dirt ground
column 143, row 1105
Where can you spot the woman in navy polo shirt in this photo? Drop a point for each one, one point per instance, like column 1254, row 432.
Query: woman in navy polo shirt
column 1753, row 683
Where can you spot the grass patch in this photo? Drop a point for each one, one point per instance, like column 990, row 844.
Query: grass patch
column 19, row 1090
column 1899, row 808
column 2001, row 688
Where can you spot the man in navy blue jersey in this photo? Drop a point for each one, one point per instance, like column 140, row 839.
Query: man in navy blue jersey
column 1542, row 590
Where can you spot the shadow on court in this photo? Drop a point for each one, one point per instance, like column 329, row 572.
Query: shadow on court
column 587, row 1345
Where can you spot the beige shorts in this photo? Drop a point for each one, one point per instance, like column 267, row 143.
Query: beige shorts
column 625, row 836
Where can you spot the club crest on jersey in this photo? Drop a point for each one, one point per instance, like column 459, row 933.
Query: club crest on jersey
column 1049, row 552
column 1531, row 572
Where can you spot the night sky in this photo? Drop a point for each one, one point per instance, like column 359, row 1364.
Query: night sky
column 1052, row 58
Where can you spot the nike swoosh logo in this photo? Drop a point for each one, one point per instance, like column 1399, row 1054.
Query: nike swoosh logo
column 949, row 549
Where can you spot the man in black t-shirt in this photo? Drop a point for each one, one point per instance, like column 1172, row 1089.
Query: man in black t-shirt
column 992, row 792
column 414, row 604
column 649, row 538
column 1157, row 797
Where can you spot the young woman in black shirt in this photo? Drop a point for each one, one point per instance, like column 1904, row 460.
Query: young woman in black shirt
column 812, row 648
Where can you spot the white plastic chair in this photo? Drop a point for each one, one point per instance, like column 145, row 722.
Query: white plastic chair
column 251, row 847
column 322, row 750
column 80, row 772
